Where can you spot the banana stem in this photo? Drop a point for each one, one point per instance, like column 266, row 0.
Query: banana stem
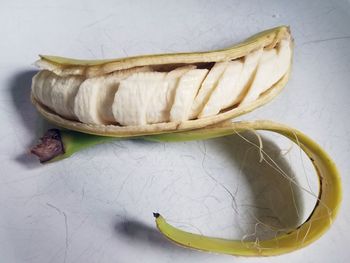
column 58, row 144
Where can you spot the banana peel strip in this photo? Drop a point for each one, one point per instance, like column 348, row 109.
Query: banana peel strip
column 314, row 227
column 91, row 68
column 321, row 218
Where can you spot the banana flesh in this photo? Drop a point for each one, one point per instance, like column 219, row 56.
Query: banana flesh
column 42, row 84
column 208, row 85
column 56, row 92
column 159, row 107
column 134, row 94
column 272, row 65
column 95, row 97
column 225, row 92
column 186, row 90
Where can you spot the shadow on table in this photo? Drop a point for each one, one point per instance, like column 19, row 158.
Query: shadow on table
column 20, row 88
column 275, row 201
column 140, row 233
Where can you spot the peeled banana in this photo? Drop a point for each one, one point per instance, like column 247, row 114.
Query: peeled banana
column 185, row 93
column 57, row 92
column 94, row 99
column 225, row 92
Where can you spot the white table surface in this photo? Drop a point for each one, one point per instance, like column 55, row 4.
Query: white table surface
column 97, row 206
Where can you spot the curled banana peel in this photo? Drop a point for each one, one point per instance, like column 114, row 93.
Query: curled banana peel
column 322, row 216
column 314, row 227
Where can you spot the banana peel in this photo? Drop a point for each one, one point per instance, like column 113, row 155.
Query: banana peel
column 321, row 218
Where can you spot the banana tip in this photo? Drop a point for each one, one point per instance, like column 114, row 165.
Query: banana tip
column 156, row 215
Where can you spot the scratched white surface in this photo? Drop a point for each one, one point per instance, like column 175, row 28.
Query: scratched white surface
column 97, row 206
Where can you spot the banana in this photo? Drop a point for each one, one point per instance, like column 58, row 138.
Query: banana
column 163, row 93
column 247, row 76
column 225, row 91
column 94, row 100
column 133, row 96
column 158, row 109
column 186, row 91
column 208, row 85
column 57, row 92
column 41, row 87
column 273, row 65
column 63, row 94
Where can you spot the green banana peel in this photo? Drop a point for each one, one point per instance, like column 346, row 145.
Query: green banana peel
column 321, row 218
column 57, row 144
column 73, row 145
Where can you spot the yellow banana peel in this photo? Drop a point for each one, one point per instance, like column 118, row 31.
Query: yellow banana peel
column 321, row 218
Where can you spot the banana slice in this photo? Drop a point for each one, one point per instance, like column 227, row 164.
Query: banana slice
column 225, row 92
column 158, row 109
column 63, row 94
column 247, row 75
column 273, row 65
column 42, row 85
column 57, row 92
column 133, row 96
column 186, row 91
column 209, row 84
column 94, row 100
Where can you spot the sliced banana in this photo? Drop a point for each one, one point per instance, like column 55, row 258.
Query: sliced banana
column 158, row 109
column 225, row 92
column 186, row 91
column 133, row 96
column 166, row 92
column 42, row 85
column 63, row 94
column 273, row 65
column 208, row 85
column 148, row 97
column 91, row 96
column 94, row 100
column 247, row 75
column 57, row 92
